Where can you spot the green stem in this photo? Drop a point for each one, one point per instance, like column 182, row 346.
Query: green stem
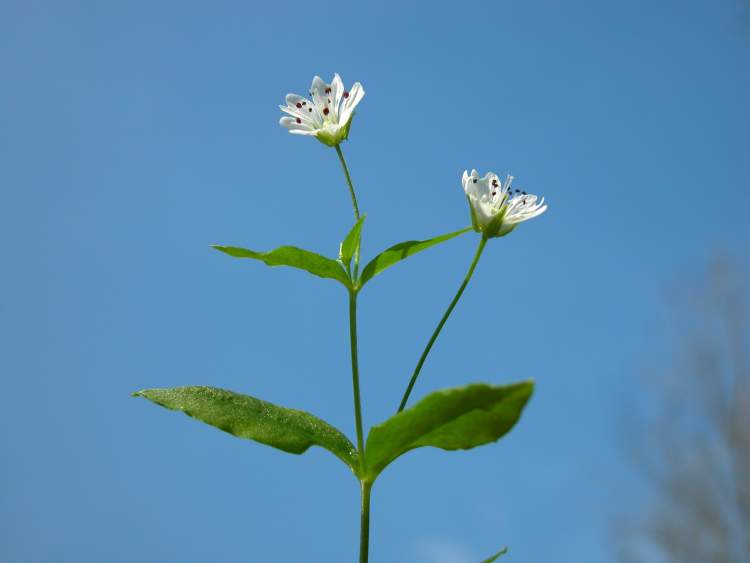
column 364, row 529
column 447, row 313
column 365, row 485
column 355, row 377
column 348, row 181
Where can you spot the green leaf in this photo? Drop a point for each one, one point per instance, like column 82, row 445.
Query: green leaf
column 396, row 253
column 351, row 242
column 243, row 416
column 460, row 418
column 295, row 257
column 497, row 556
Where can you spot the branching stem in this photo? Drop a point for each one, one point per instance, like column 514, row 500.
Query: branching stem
column 435, row 334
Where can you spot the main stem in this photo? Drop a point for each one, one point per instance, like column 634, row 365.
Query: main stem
column 348, row 181
column 364, row 535
column 355, row 377
column 447, row 313
column 364, row 528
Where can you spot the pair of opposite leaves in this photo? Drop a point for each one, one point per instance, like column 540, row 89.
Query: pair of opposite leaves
column 450, row 419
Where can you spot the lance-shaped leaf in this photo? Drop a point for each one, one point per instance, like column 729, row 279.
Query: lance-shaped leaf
column 294, row 257
column 451, row 419
column 351, row 243
column 243, row 416
column 396, row 253
column 497, row 556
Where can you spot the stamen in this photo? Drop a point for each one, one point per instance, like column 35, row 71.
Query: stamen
column 328, row 90
column 326, row 111
column 299, row 105
column 309, row 109
column 299, row 120
column 475, row 180
column 346, row 94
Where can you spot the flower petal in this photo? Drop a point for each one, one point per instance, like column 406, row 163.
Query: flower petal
column 311, row 119
column 303, row 132
column 293, row 125
column 336, row 95
column 355, row 96
column 318, row 93
column 293, row 99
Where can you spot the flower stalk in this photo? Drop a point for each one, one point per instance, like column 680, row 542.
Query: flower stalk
column 441, row 324
column 352, row 194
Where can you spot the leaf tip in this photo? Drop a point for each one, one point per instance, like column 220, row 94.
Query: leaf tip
column 495, row 557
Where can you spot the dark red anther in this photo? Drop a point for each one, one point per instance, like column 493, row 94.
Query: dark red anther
column 299, row 105
column 326, row 111
column 346, row 94
column 299, row 120
column 328, row 90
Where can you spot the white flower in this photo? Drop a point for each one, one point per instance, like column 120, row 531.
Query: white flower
column 495, row 208
column 328, row 115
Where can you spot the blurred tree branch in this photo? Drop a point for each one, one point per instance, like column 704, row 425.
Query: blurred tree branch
column 689, row 431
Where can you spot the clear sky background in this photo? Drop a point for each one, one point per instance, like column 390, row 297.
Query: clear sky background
column 135, row 134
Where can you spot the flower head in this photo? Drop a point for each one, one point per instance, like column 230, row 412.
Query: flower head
column 327, row 115
column 495, row 208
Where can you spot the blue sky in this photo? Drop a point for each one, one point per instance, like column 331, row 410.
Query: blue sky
column 133, row 135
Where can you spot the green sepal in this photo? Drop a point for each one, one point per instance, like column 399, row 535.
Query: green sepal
column 289, row 430
column 474, row 223
column 495, row 228
column 334, row 139
column 459, row 418
column 296, row 258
